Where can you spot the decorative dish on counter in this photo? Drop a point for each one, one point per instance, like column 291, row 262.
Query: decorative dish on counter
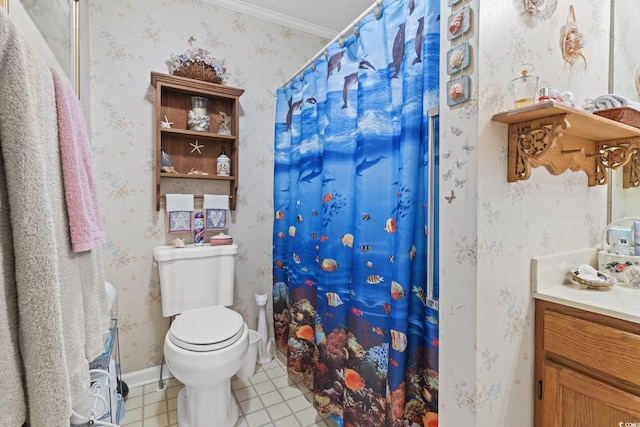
column 632, row 276
column 221, row 239
column 605, row 281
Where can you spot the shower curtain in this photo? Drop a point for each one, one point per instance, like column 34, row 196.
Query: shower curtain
column 352, row 309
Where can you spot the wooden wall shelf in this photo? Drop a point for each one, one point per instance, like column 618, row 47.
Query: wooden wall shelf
column 560, row 137
column 173, row 100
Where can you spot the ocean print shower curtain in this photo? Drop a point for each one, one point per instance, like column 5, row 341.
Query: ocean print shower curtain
column 352, row 309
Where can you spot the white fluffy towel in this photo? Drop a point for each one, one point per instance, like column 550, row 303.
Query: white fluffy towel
column 179, row 202
column 604, row 102
column 52, row 301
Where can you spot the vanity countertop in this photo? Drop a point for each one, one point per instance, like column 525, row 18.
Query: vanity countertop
column 550, row 282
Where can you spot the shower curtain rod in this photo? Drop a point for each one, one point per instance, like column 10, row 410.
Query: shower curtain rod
column 341, row 34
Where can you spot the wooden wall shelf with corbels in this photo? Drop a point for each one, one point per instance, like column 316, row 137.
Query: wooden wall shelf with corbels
column 560, row 137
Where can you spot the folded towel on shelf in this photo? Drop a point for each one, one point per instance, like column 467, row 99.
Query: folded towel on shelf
column 604, row 102
column 85, row 224
column 179, row 202
column 179, row 208
column 215, row 201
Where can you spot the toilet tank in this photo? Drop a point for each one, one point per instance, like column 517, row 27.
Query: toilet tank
column 195, row 276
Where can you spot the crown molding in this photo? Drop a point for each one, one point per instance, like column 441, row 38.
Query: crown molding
column 275, row 17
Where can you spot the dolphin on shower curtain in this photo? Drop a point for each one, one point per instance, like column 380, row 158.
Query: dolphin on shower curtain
column 352, row 310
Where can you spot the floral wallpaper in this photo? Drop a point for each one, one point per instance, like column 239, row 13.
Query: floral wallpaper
column 128, row 40
column 491, row 228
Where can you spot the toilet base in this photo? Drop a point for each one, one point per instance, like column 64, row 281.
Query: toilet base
column 219, row 413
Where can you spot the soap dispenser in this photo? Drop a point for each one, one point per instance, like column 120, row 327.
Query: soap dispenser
column 223, row 166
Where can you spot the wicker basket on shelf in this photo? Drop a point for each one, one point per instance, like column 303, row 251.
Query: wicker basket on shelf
column 615, row 264
column 625, row 115
column 200, row 71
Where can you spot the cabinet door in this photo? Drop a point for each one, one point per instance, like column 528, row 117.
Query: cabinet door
column 570, row 399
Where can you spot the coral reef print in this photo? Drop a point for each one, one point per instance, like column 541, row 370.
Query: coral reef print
column 352, row 307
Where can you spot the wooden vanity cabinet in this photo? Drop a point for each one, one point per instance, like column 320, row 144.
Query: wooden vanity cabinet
column 587, row 368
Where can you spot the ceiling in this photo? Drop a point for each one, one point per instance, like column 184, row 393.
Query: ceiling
column 325, row 18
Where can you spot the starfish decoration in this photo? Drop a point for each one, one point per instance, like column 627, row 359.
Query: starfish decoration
column 196, row 147
column 165, row 123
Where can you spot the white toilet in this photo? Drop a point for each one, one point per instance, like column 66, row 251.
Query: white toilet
column 207, row 342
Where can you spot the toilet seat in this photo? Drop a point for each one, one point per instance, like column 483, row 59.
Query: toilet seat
column 206, row 329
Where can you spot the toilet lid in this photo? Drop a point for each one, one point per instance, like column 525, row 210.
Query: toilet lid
column 206, row 329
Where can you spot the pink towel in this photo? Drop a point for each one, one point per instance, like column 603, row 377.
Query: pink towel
column 85, row 224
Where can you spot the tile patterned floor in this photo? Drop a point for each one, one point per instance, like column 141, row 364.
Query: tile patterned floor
column 270, row 398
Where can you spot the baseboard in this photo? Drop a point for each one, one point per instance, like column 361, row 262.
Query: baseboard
column 146, row 376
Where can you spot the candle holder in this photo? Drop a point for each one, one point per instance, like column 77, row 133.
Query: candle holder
column 198, row 117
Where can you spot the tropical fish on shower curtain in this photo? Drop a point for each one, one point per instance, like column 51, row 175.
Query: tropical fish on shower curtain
column 352, row 310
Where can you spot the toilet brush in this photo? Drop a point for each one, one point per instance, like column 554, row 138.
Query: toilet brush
column 265, row 346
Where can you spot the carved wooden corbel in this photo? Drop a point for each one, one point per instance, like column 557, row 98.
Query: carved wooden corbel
column 560, row 137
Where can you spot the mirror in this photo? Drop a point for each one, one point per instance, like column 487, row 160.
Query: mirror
column 54, row 20
column 624, row 80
